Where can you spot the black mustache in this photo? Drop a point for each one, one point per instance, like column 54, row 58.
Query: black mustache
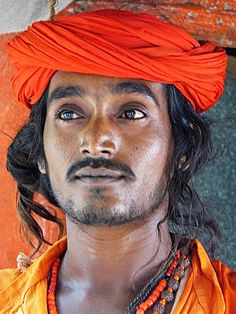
column 99, row 163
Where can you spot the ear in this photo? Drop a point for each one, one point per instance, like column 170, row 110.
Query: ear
column 41, row 166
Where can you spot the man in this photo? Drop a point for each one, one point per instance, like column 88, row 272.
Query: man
column 114, row 137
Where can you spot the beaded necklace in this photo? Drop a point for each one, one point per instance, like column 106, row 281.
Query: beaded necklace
column 164, row 291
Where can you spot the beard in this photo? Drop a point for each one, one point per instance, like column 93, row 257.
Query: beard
column 95, row 211
column 99, row 214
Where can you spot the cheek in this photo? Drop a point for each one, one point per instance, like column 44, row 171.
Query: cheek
column 153, row 153
column 56, row 152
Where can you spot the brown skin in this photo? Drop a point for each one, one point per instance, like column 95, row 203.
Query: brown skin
column 98, row 269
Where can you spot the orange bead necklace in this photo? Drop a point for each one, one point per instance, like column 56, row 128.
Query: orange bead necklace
column 164, row 291
column 167, row 287
column 51, row 298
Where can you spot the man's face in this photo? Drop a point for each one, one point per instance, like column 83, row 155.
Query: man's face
column 107, row 144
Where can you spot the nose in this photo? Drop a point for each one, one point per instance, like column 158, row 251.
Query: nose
column 98, row 139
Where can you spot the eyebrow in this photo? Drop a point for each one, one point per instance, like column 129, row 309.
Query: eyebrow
column 66, row 92
column 137, row 87
column 126, row 87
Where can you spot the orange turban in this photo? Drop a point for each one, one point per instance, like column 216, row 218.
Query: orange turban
column 117, row 44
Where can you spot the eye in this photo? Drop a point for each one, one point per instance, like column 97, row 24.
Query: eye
column 67, row 115
column 133, row 114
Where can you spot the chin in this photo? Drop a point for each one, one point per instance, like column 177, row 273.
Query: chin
column 102, row 216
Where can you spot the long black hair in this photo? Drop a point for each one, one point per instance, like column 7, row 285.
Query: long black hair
column 193, row 147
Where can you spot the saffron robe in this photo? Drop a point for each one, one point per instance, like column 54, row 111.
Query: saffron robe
column 210, row 288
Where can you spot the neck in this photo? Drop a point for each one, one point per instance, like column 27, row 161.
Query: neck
column 116, row 257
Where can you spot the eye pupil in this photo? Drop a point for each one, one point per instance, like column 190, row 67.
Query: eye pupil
column 68, row 115
column 133, row 114
column 130, row 114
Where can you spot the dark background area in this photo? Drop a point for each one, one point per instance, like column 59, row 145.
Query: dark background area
column 217, row 182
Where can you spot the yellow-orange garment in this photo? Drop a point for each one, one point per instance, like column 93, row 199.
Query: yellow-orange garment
column 118, row 44
column 210, row 289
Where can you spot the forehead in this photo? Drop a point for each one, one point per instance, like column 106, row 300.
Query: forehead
column 96, row 84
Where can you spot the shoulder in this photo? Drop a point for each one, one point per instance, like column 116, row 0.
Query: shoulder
column 213, row 279
column 226, row 276
column 227, row 281
column 32, row 271
column 20, row 291
column 27, row 289
column 7, row 277
column 10, row 275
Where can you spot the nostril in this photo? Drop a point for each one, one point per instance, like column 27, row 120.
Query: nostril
column 85, row 151
column 98, row 148
column 105, row 152
column 96, row 153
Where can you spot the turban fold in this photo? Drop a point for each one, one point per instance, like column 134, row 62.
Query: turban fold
column 118, row 44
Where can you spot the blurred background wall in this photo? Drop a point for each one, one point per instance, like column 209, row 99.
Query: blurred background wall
column 217, row 184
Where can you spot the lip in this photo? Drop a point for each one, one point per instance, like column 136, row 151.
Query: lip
column 99, row 180
column 97, row 173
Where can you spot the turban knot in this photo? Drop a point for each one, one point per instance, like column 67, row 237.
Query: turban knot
column 118, row 44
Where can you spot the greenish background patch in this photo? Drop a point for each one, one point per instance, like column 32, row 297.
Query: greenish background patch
column 217, row 182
